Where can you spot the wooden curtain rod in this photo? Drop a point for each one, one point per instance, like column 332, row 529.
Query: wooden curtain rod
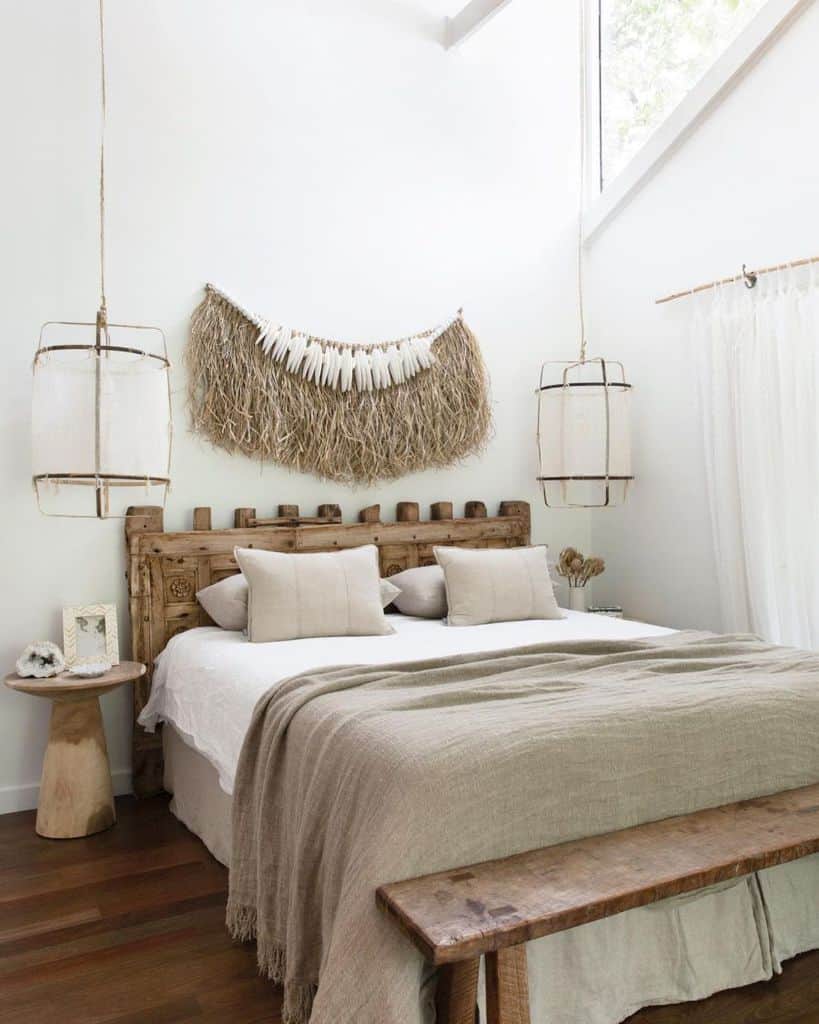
column 749, row 276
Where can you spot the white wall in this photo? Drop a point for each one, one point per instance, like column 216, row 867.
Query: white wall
column 332, row 165
column 743, row 188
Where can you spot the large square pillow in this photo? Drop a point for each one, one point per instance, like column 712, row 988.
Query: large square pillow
column 496, row 585
column 291, row 596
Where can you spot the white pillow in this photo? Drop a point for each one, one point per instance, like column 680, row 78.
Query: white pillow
column 226, row 601
column 292, row 596
column 496, row 585
column 422, row 592
column 388, row 591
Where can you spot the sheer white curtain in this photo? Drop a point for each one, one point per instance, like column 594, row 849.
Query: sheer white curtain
column 758, row 369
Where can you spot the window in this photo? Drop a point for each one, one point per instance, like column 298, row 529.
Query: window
column 651, row 54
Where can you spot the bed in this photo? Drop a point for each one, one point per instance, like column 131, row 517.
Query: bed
column 207, row 682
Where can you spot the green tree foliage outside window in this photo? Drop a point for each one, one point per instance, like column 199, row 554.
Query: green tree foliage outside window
column 652, row 53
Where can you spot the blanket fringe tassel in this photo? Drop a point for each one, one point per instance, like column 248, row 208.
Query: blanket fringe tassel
column 241, row 922
column 272, row 962
column 298, row 1003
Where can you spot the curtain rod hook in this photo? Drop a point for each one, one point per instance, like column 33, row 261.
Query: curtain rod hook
column 749, row 277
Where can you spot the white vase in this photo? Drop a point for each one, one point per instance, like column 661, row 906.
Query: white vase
column 577, row 599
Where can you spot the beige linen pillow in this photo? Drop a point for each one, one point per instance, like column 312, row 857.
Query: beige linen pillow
column 496, row 585
column 388, row 591
column 226, row 601
column 422, row 592
column 322, row 594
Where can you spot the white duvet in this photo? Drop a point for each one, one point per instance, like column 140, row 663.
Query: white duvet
column 207, row 680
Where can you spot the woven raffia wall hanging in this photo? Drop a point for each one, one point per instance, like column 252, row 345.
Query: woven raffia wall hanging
column 353, row 413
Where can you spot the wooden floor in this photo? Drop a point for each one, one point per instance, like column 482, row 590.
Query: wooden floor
column 126, row 927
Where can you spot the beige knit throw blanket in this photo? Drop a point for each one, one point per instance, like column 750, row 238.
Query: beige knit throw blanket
column 427, row 415
column 355, row 776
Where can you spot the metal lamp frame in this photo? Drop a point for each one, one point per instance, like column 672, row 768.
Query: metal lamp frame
column 607, row 384
column 100, row 481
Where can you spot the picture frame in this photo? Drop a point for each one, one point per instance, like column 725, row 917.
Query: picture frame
column 90, row 632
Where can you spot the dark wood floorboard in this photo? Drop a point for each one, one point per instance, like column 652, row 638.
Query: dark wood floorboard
column 127, row 927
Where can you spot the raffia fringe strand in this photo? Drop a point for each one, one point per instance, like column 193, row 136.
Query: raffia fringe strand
column 243, row 401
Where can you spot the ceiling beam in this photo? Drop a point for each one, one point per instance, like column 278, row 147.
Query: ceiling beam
column 470, row 19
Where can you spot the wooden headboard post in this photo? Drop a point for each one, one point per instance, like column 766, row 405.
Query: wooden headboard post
column 146, row 748
column 165, row 570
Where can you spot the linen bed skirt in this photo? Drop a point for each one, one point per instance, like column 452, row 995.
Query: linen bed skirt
column 675, row 951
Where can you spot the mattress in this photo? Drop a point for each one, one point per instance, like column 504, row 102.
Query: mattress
column 207, row 683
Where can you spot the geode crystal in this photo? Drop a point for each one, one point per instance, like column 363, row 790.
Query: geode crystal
column 41, row 659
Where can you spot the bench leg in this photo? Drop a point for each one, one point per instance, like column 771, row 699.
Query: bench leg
column 457, row 995
column 507, row 986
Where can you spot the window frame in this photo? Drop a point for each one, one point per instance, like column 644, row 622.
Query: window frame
column 601, row 204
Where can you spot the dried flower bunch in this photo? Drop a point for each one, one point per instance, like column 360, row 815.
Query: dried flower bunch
column 577, row 568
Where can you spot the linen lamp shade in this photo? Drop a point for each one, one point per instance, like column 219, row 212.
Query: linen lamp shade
column 101, row 418
column 584, row 434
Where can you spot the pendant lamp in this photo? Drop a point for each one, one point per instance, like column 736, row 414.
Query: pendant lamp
column 584, row 405
column 584, row 434
column 101, row 410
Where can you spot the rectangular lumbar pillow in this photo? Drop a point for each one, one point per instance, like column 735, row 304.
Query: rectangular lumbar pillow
column 422, row 592
column 496, row 585
column 291, row 596
column 226, row 601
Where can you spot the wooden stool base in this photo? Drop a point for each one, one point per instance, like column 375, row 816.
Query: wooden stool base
column 76, row 797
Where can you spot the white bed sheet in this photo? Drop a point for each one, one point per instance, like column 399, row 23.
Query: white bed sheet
column 208, row 680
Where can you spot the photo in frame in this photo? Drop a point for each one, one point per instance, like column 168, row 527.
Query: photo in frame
column 90, row 633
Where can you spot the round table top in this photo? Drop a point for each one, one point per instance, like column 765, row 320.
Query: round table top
column 64, row 685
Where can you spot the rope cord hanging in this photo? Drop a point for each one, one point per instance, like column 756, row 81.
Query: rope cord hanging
column 583, row 156
column 352, row 413
column 103, row 117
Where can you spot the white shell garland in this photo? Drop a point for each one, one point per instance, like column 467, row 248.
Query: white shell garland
column 339, row 365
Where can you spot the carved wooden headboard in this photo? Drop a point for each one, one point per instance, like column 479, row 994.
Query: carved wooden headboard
column 166, row 569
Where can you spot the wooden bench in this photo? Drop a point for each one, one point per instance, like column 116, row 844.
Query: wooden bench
column 495, row 908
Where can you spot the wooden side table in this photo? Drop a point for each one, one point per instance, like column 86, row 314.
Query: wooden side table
column 76, row 797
